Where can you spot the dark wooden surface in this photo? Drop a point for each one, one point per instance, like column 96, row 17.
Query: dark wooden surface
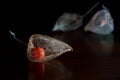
column 95, row 57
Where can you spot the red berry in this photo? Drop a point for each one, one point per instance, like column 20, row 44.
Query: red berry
column 38, row 53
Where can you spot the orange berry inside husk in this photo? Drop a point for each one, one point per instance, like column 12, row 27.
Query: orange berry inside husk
column 38, row 53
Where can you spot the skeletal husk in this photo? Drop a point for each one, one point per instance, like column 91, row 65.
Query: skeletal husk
column 68, row 22
column 101, row 23
column 53, row 47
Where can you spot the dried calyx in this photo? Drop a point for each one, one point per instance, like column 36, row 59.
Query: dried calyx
column 101, row 23
column 52, row 47
column 43, row 48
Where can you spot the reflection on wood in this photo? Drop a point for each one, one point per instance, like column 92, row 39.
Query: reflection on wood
column 100, row 44
column 51, row 70
column 36, row 71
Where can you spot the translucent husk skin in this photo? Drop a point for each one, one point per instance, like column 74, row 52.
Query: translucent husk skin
column 53, row 47
column 101, row 23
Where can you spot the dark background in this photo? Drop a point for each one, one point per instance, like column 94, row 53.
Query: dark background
column 27, row 18
column 40, row 17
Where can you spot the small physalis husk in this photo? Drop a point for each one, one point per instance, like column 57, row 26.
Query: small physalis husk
column 53, row 47
column 68, row 22
column 101, row 23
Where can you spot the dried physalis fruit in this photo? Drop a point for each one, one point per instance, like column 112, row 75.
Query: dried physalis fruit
column 101, row 22
column 68, row 22
column 44, row 48
column 71, row 21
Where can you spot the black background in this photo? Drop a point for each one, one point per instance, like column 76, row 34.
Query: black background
column 39, row 17
column 27, row 18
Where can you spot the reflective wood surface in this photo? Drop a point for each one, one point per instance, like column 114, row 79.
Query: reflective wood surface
column 94, row 57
